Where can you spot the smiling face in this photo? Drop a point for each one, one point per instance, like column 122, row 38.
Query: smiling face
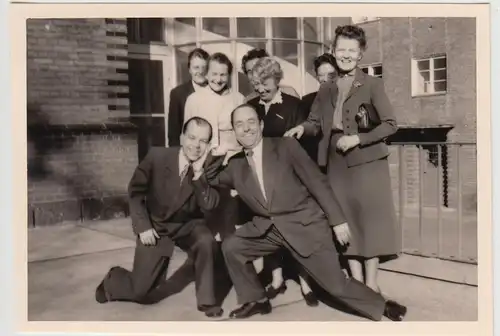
column 195, row 140
column 249, row 66
column 247, row 127
column 325, row 72
column 266, row 88
column 347, row 53
column 218, row 76
column 197, row 70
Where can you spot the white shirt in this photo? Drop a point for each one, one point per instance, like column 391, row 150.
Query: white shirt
column 216, row 109
column 277, row 99
column 257, row 158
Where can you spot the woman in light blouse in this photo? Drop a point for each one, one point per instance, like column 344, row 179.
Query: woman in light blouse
column 215, row 103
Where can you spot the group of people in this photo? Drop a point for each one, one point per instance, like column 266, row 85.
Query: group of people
column 302, row 182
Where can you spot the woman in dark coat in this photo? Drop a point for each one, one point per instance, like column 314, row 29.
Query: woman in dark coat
column 324, row 66
column 354, row 116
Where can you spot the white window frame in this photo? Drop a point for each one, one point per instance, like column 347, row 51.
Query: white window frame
column 165, row 52
column 364, row 19
column 371, row 68
column 416, row 89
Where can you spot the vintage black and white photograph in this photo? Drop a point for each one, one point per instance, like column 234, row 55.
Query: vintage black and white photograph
column 252, row 168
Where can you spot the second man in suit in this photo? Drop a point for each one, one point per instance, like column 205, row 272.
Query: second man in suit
column 294, row 208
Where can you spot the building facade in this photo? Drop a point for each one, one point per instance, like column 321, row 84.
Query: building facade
column 429, row 70
column 98, row 93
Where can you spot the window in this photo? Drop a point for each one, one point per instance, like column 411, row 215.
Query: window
column 145, row 30
column 429, row 76
column 293, row 41
column 374, row 70
column 215, row 28
column 251, row 27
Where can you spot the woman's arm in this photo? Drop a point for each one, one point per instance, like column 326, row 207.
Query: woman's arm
column 388, row 125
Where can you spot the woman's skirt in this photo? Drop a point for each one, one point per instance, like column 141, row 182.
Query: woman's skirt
column 365, row 195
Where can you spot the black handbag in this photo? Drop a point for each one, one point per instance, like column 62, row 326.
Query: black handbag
column 367, row 118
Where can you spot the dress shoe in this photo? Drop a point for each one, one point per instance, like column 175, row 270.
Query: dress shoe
column 250, row 309
column 272, row 292
column 394, row 311
column 100, row 294
column 310, row 298
column 211, row 311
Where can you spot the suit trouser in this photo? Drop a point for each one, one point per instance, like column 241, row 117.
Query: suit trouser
column 323, row 266
column 146, row 282
column 225, row 216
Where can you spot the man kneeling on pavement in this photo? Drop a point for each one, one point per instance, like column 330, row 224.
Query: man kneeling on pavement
column 168, row 194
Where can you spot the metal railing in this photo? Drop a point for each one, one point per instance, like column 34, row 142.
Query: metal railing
column 437, row 198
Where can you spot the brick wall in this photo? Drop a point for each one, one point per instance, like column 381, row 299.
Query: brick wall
column 422, row 37
column 81, row 153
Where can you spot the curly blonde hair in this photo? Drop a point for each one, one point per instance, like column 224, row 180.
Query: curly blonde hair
column 265, row 68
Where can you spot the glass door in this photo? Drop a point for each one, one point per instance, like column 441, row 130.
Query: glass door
column 151, row 77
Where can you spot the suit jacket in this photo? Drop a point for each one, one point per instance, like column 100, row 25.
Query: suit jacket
column 280, row 117
column 365, row 90
column 178, row 97
column 310, row 143
column 156, row 198
column 306, row 103
column 299, row 202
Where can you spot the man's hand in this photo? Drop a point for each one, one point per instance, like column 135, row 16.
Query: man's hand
column 342, row 233
column 219, row 150
column 197, row 173
column 296, row 132
column 149, row 237
column 347, row 142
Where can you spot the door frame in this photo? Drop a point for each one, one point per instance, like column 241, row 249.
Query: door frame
column 165, row 54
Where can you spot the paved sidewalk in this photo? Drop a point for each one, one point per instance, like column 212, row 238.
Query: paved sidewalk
column 67, row 262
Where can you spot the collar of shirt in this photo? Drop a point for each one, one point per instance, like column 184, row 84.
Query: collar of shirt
column 209, row 90
column 198, row 87
column 277, row 99
column 183, row 161
column 257, row 150
column 351, row 73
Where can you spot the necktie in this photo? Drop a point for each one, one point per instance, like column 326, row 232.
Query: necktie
column 251, row 162
column 188, row 170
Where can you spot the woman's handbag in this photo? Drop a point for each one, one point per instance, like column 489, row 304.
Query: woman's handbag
column 367, row 118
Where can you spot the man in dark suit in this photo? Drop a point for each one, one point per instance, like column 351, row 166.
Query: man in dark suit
column 167, row 195
column 197, row 65
column 294, row 208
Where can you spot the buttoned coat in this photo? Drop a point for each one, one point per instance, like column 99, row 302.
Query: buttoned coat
column 365, row 90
